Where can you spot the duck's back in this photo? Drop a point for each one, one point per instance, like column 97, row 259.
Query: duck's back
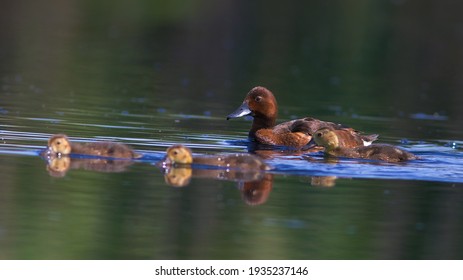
column 376, row 152
column 309, row 125
column 385, row 152
column 235, row 161
column 246, row 162
column 104, row 149
column 347, row 136
column 295, row 133
column 350, row 138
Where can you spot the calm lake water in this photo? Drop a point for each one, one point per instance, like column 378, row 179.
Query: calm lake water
column 152, row 75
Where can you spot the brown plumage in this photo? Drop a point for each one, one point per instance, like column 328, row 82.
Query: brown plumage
column 179, row 154
column 333, row 144
column 261, row 104
column 59, row 144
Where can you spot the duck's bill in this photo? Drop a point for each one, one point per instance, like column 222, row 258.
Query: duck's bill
column 166, row 162
column 242, row 111
column 49, row 153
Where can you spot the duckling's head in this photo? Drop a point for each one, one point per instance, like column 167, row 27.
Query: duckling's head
column 327, row 138
column 59, row 144
column 179, row 154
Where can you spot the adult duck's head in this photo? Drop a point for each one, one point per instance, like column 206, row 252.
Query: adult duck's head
column 260, row 104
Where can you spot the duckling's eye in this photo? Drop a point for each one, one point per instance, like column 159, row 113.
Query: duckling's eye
column 319, row 134
column 58, row 143
column 175, row 153
column 258, row 98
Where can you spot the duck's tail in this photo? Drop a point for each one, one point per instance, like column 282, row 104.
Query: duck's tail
column 368, row 139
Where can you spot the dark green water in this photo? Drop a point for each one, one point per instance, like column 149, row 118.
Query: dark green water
column 152, row 74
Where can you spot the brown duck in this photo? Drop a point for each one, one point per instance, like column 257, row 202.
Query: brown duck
column 260, row 103
column 330, row 140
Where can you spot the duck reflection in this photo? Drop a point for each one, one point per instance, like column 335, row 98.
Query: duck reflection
column 256, row 192
column 59, row 166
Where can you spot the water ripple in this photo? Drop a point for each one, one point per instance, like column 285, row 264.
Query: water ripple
column 439, row 162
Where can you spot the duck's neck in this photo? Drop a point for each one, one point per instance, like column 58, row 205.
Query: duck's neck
column 261, row 122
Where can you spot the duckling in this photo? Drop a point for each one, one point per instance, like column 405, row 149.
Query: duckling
column 59, row 144
column 261, row 104
column 181, row 155
column 329, row 139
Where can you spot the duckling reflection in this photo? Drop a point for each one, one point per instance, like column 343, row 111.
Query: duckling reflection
column 178, row 176
column 59, row 144
column 181, row 176
column 323, row 181
column 59, row 166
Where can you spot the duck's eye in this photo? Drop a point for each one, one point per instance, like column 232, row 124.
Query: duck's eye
column 175, row 153
column 258, row 98
column 58, row 143
column 319, row 134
